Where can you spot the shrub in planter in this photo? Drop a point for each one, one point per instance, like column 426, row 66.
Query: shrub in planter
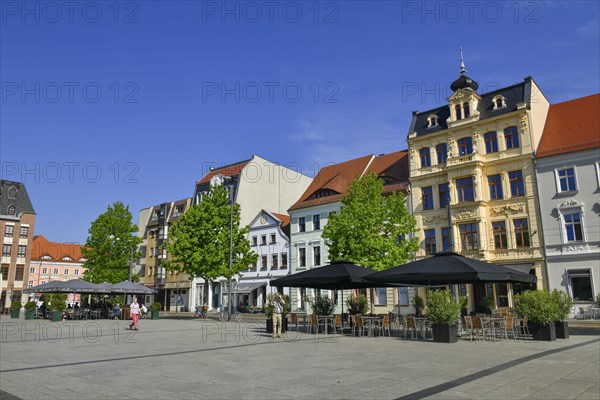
column 15, row 309
column 541, row 311
column 443, row 312
column 323, row 305
column 155, row 309
column 358, row 304
column 419, row 304
column 563, row 303
column 57, row 303
column 30, row 307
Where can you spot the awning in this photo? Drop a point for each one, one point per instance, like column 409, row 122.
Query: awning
column 523, row 268
column 248, row 287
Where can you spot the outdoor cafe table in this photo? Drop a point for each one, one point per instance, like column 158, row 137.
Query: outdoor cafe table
column 370, row 321
column 302, row 317
column 492, row 323
column 326, row 319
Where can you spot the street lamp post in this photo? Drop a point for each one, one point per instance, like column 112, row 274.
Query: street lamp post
column 232, row 181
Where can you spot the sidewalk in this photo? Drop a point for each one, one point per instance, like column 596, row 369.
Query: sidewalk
column 197, row 359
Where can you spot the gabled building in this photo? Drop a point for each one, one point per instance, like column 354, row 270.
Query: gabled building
column 310, row 214
column 473, row 180
column 568, row 181
column 269, row 238
column 53, row 261
column 256, row 184
column 17, row 220
column 153, row 225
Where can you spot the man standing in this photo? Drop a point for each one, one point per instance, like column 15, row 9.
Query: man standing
column 135, row 313
column 278, row 304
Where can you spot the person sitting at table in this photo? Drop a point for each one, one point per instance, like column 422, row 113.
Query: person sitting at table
column 117, row 311
column 77, row 306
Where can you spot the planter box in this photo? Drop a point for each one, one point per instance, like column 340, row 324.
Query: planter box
column 562, row 329
column 56, row 316
column 155, row 314
column 445, row 333
column 15, row 313
column 30, row 314
column 542, row 332
column 284, row 325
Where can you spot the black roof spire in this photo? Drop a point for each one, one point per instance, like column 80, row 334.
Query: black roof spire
column 463, row 81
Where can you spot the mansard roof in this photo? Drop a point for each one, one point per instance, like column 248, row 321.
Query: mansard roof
column 14, row 194
column 515, row 94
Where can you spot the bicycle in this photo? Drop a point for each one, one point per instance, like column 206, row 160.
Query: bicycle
column 201, row 312
column 235, row 315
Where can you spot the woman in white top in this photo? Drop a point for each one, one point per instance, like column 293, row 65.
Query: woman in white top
column 135, row 314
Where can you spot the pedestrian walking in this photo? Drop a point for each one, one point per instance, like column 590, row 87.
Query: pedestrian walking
column 278, row 304
column 135, row 314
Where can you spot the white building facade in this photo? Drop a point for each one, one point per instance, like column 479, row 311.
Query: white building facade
column 568, row 179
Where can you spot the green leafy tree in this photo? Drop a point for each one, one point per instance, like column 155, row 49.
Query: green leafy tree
column 371, row 229
column 111, row 245
column 199, row 240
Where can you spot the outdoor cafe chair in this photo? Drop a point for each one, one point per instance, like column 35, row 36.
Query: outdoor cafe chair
column 313, row 323
column 337, row 324
column 385, row 325
column 294, row 320
column 478, row 328
column 358, row 325
column 410, row 325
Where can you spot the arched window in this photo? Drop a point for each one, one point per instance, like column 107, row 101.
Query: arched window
column 12, row 210
column 499, row 102
column 12, row 193
column 458, row 112
column 466, row 110
column 432, row 121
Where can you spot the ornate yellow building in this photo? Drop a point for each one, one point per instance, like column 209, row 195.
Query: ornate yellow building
column 472, row 179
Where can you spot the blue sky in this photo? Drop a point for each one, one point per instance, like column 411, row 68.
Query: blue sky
column 101, row 103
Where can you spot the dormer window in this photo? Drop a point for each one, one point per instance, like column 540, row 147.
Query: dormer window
column 12, row 210
column 12, row 193
column 458, row 112
column 466, row 111
column 499, row 102
column 432, row 121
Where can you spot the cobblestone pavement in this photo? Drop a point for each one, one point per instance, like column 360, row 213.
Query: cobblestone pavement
column 197, row 359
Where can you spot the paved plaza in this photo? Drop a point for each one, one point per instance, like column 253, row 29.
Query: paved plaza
column 197, row 359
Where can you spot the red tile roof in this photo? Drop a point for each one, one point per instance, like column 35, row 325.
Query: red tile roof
column 334, row 177
column 285, row 222
column 284, row 218
column 571, row 126
column 57, row 251
column 227, row 170
column 338, row 177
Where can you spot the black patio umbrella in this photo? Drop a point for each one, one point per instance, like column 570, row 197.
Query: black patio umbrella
column 338, row 275
column 449, row 268
column 70, row 286
column 131, row 288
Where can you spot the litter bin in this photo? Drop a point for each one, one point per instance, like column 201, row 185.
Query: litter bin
column 126, row 312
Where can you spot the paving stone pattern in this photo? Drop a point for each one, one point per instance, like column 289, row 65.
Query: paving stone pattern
column 198, row 359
